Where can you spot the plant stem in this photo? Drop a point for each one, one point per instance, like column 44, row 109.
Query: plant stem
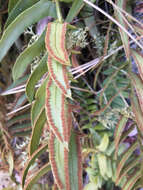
column 58, row 11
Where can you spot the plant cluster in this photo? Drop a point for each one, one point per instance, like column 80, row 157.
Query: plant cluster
column 71, row 110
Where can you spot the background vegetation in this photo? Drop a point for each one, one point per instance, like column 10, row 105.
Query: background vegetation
column 105, row 72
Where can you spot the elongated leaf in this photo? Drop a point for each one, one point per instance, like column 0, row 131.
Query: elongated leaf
column 11, row 5
column 119, row 130
column 37, row 131
column 39, row 101
column 139, row 62
column 21, row 101
column 131, row 182
column 45, row 169
column 18, row 8
column 137, row 111
column 126, row 169
column 75, row 163
column 138, row 84
column 27, row 56
column 35, row 77
column 56, row 157
column 25, row 19
column 31, row 161
column 56, row 112
column 102, row 161
column 125, row 157
column 66, row 166
column 20, row 127
column 74, row 10
column 18, row 118
column 22, row 134
column 55, row 42
column 124, row 36
column 58, row 73
column 104, row 143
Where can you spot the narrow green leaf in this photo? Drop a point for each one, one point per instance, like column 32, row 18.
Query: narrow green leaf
column 127, row 168
column 56, row 111
column 31, row 161
column 18, row 7
column 21, row 101
column 43, row 8
column 19, row 127
column 102, row 161
column 55, row 42
column 74, row 10
column 37, row 131
column 119, row 130
column 45, row 169
column 132, row 180
column 138, row 84
column 137, row 111
column 138, row 60
column 12, row 4
column 58, row 73
column 66, row 166
column 75, row 162
column 124, row 36
column 35, row 77
column 104, row 143
column 18, row 119
column 125, row 157
column 22, row 134
column 27, row 56
column 39, row 101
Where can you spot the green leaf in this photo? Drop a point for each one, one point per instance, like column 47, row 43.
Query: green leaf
column 126, row 169
column 75, row 162
column 119, row 130
column 18, row 118
column 12, row 4
column 138, row 60
column 20, row 127
column 56, row 111
column 55, row 42
column 43, row 8
column 66, row 166
column 137, row 111
column 102, row 161
column 74, row 10
column 31, row 161
column 18, row 7
column 58, row 73
column 132, row 180
column 22, row 134
column 35, row 77
column 45, row 169
column 125, row 157
column 104, row 143
column 21, row 101
column 138, row 84
column 37, row 131
column 39, row 101
column 27, row 56
column 119, row 16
